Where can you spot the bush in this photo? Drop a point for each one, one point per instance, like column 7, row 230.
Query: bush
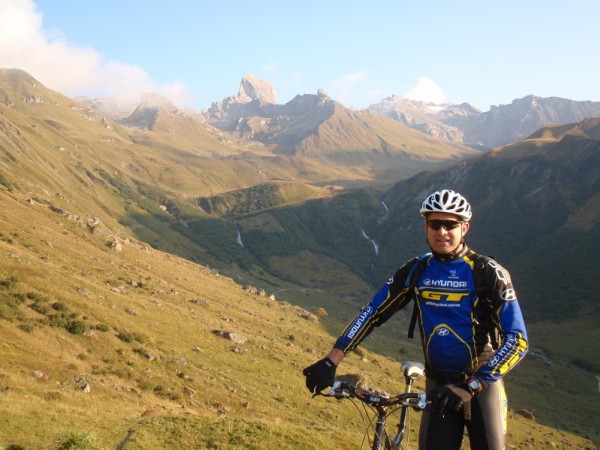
column 58, row 306
column 75, row 441
column 75, row 327
column 27, row 328
column 57, row 321
column 38, row 307
column 9, row 283
column 129, row 337
column 102, row 327
column 321, row 313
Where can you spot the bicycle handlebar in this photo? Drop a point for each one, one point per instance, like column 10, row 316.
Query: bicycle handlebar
column 340, row 390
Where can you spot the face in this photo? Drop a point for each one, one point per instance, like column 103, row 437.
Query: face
column 444, row 241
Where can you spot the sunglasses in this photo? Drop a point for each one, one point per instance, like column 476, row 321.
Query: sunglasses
column 447, row 224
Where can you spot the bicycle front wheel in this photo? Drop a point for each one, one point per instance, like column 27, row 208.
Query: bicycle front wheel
column 382, row 441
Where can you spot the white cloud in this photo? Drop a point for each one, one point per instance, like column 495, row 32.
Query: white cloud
column 427, row 90
column 71, row 70
column 343, row 88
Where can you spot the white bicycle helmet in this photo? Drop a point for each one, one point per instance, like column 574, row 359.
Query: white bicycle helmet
column 447, row 201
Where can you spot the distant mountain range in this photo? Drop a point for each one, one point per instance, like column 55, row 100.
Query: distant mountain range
column 255, row 114
column 314, row 129
column 500, row 125
column 294, row 196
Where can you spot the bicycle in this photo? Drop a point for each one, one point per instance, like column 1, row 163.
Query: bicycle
column 383, row 405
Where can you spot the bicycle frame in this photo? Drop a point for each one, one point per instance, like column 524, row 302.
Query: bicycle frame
column 382, row 403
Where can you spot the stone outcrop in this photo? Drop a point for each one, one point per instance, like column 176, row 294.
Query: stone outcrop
column 253, row 88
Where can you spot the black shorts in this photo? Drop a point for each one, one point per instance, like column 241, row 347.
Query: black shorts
column 486, row 427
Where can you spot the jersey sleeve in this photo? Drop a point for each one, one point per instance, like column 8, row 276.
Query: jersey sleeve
column 393, row 296
column 509, row 321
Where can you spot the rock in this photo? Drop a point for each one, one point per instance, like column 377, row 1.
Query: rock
column 97, row 228
column 304, row 314
column 40, row 375
column 232, row 336
column 528, row 414
column 115, row 245
column 358, row 380
column 250, row 289
column 197, row 301
column 253, row 88
column 189, row 391
column 83, row 384
column 237, row 338
column 58, row 210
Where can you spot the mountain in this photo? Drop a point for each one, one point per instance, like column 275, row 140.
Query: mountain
column 328, row 142
column 429, row 118
column 499, row 126
column 540, row 193
column 317, row 127
column 108, row 106
column 536, row 209
column 133, row 258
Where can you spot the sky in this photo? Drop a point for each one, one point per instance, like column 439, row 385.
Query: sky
column 195, row 52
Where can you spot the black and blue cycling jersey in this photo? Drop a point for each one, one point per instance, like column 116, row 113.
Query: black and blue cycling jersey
column 460, row 332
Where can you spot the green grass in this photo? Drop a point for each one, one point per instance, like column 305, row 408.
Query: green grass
column 172, row 379
column 137, row 326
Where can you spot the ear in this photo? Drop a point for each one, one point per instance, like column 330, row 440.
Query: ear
column 466, row 227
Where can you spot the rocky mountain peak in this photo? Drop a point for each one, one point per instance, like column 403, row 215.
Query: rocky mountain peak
column 151, row 107
column 253, row 88
column 151, row 100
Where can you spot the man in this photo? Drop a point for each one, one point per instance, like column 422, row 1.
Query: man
column 472, row 334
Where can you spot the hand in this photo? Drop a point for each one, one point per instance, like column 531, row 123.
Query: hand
column 450, row 397
column 319, row 375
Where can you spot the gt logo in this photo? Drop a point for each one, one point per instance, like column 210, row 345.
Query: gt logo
column 447, row 296
column 442, row 332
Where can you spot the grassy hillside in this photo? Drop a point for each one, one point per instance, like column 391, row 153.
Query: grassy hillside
column 108, row 341
column 101, row 234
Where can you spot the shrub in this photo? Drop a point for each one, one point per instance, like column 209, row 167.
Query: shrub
column 27, row 328
column 321, row 313
column 40, row 308
column 58, row 306
column 9, row 283
column 57, row 321
column 75, row 327
column 128, row 336
column 76, row 441
column 35, row 296
column 102, row 327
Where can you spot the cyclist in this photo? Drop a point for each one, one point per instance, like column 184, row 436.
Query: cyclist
column 471, row 335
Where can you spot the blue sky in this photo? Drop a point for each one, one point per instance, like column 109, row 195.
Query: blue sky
column 196, row 52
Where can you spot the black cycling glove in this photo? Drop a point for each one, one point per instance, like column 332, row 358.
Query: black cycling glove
column 320, row 375
column 450, row 397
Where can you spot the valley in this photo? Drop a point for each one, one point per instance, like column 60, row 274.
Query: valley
column 135, row 254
